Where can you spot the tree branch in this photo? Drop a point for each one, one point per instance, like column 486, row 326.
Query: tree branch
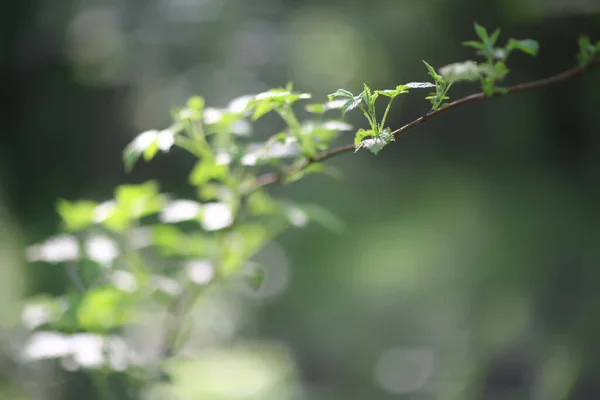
column 275, row 177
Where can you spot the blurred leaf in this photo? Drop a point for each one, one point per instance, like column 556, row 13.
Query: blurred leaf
column 139, row 200
column 171, row 241
column 167, row 238
column 196, row 103
column 417, row 85
column 476, row 45
column 495, row 71
column 462, row 71
column 482, row 33
column 274, row 99
column 147, row 144
column 207, row 170
column 528, row 46
column 318, row 109
column 104, row 308
column 77, row 215
column 150, row 151
column 260, row 203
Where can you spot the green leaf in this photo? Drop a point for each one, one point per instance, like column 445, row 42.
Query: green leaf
column 390, row 93
column 494, row 37
column 366, row 95
column 369, row 140
column 584, row 42
column 77, row 215
column 196, row 103
column 262, row 109
column 362, row 134
column 260, row 203
column 134, row 150
column 587, row 50
column 318, row 109
column 482, row 33
column 150, row 151
column 462, row 71
column 495, row 71
column 351, row 104
column 131, row 202
column 474, row 44
column 104, row 308
column 207, row 170
column 274, row 99
column 171, row 241
column 139, row 200
column 527, row 46
column 418, row 85
column 436, row 77
column 340, row 93
column 148, row 143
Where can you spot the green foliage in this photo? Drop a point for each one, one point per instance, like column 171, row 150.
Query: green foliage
column 212, row 239
column 378, row 136
column 587, row 50
column 494, row 68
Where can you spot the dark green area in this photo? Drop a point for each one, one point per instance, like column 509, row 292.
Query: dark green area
column 473, row 237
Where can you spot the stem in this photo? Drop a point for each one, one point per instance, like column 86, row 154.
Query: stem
column 369, row 118
column 575, row 72
column 385, row 114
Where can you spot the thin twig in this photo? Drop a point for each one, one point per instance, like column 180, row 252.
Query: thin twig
column 274, row 177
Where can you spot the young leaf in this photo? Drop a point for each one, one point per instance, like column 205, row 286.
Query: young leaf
column 351, row 104
column 476, row 45
column 390, row 93
column 418, row 85
column 196, row 103
column 463, row 71
column 436, row 77
column 318, row 109
column 77, row 215
column 207, row 170
column 374, row 143
column 340, row 93
column 494, row 36
column 137, row 201
column 148, row 143
column 482, row 33
column 362, row 134
column 527, row 46
column 104, row 308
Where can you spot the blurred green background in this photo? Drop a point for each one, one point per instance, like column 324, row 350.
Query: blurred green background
column 470, row 263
